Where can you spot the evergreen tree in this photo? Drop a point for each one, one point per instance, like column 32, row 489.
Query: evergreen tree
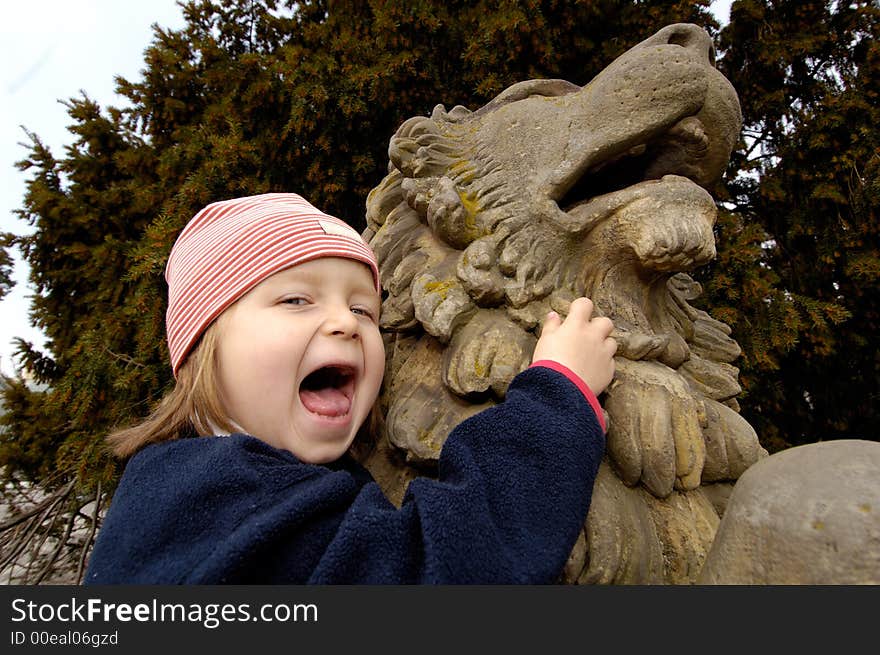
column 799, row 265
column 6, row 281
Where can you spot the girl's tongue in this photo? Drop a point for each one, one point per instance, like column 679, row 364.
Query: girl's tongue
column 327, row 391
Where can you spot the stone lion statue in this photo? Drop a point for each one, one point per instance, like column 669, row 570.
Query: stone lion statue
column 488, row 219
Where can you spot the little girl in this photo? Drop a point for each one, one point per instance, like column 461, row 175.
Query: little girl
column 242, row 474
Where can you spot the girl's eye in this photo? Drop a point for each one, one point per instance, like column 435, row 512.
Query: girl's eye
column 294, row 301
column 363, row 311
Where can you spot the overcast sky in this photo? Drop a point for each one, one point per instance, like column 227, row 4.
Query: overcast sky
column 51, row 50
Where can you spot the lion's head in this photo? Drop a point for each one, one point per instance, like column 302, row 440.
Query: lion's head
column 490, row 218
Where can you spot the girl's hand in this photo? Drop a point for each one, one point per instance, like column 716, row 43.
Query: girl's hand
column 581, row 343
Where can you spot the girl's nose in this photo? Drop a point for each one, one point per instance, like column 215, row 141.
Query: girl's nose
column 342, row 322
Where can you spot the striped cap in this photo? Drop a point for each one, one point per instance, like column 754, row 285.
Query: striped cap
column 231, row 246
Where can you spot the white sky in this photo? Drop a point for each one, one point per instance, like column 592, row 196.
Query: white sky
column 51, row 50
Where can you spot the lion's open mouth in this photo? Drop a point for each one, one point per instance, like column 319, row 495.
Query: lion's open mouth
column 328, row 391
column 678, row 151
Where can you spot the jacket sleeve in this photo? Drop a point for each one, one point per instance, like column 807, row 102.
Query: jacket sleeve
column 513, row 491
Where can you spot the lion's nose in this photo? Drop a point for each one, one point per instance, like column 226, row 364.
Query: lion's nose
column 689, row 36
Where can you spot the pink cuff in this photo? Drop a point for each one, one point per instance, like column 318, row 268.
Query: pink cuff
column 579, row 383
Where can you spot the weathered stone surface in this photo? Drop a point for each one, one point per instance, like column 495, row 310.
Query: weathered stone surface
column 619, row 536
column 731, row 444
column 486, row 354
column 656, row 430
column 718, row 494
column 423, row 413
column 490, row 218
column 806, row 515
column 686, row 524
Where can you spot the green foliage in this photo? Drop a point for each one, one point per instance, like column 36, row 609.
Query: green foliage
column 797, row 273
column 6, row 281
column 36, row 433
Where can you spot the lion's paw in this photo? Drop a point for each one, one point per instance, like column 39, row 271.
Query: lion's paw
column 655, row 432
column 486, row 354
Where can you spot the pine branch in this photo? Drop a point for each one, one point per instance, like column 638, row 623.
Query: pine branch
column 36, row 510
column 50, row 564
column 80, row 569
column 22, row 537
column 123, row 358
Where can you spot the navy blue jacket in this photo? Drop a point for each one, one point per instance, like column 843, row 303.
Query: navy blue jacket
column 513, row 490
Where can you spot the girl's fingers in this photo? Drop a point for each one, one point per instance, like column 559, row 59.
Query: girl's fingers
column 581, row 309
column 611, row 345
column 604, row 326
column 551, row 323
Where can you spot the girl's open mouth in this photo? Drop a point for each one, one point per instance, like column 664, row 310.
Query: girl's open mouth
column 328, row 391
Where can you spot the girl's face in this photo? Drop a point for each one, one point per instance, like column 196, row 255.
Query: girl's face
column 301, row 359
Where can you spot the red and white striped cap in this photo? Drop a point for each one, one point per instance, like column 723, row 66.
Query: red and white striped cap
column 231, row 246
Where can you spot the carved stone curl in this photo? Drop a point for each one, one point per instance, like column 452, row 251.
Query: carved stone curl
column 490, row 218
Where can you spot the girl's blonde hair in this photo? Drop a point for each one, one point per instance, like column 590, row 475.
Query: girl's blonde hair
column 194, row 407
